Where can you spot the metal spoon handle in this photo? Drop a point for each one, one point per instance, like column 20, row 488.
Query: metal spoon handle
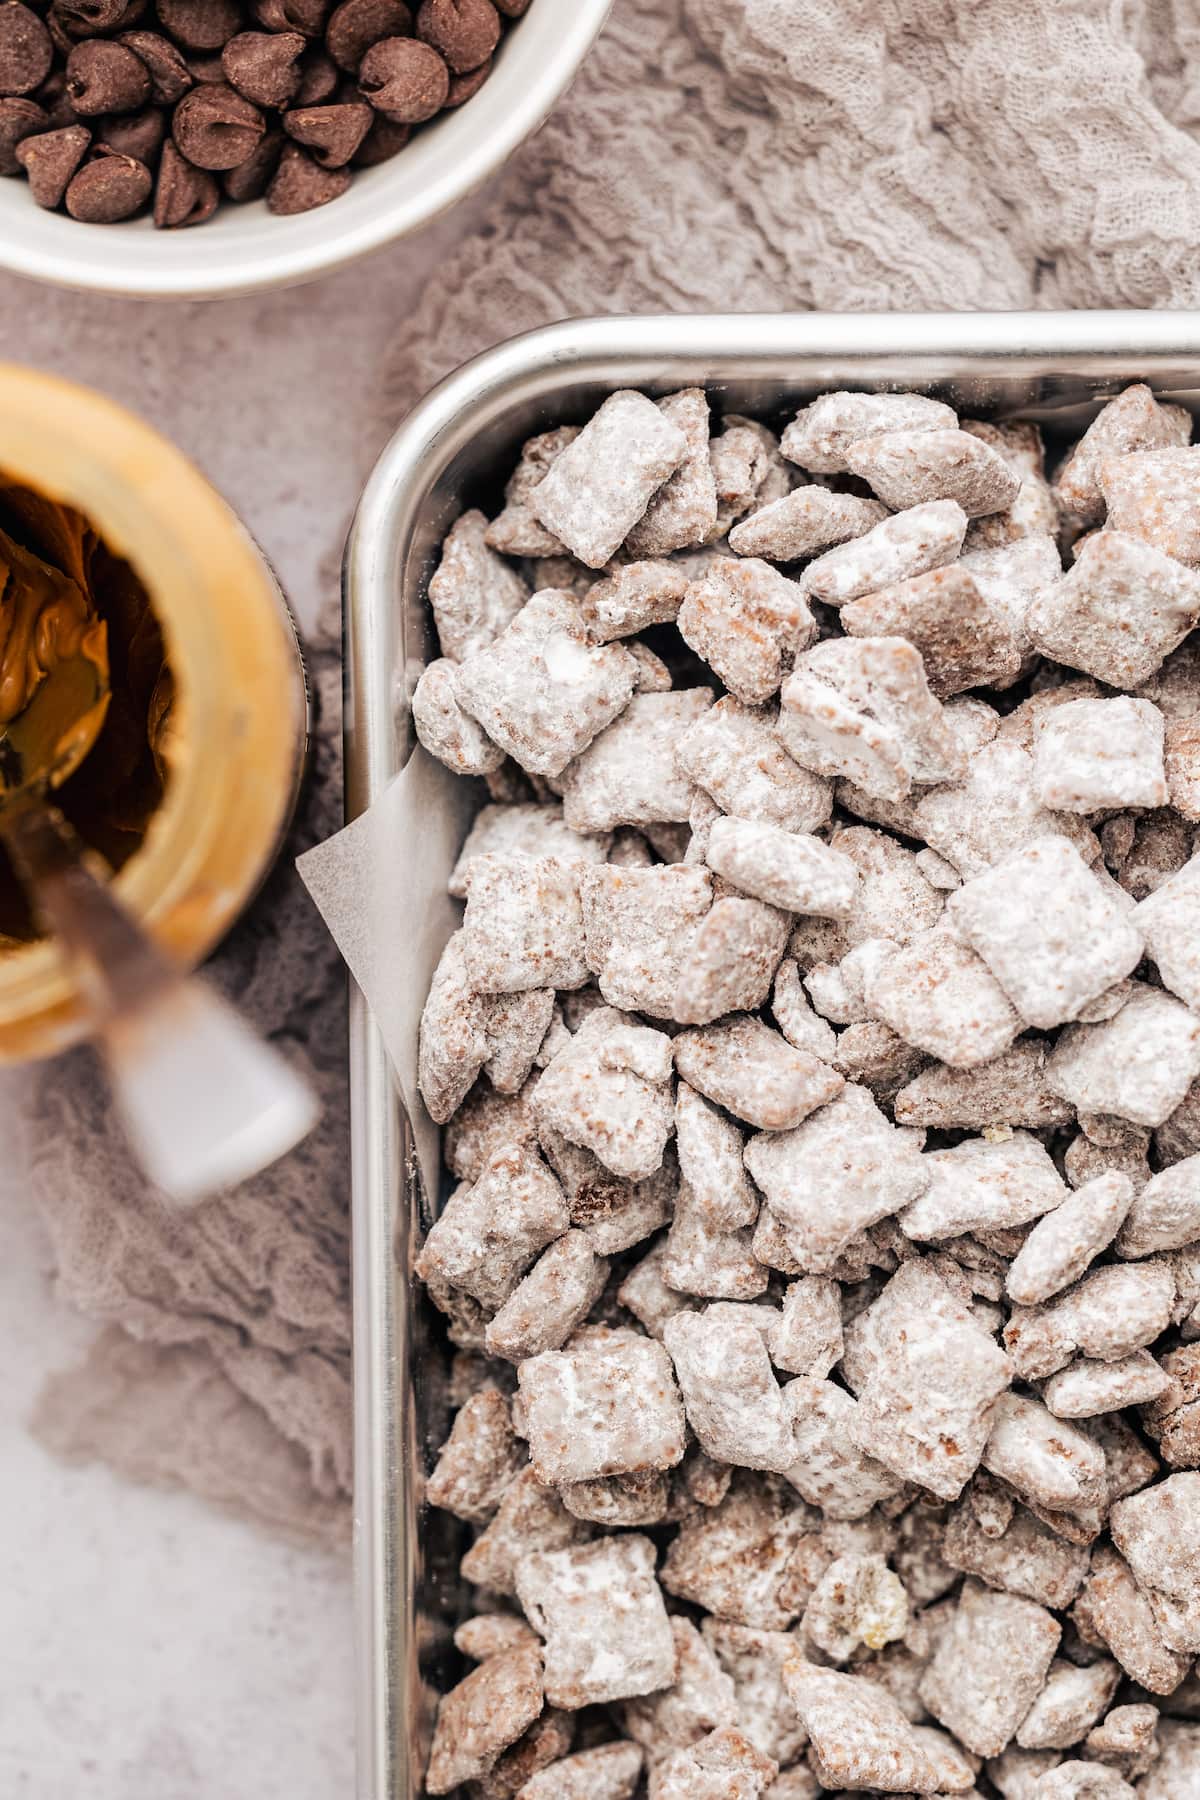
column 205, row 1100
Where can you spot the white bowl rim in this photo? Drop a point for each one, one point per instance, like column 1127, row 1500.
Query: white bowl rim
column 533, row 72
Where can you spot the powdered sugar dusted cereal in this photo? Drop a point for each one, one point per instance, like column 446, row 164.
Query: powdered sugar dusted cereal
column 1166, row 1214
column 628, row 775
column 601, row 1613
column 1025, row 1558
column 474, row 593
column 638, row 925
column 482, row 1716
column 445, row 730
column 965, row 640
column 684, row 510
column 556, row 1295
column 723, row 1766
column 940, row 997
column 903, row 545
column 859, row 1735
column 730, row 960
column 1085, row 1389
column 1092, row 754
column 733, row 1402
column 608, row 1090
column 1118, row 612
column 1156, row 496
column 906, row 468
column 744, row 1066
column 608, row 1406
column 1113, row 1611
column 830, row 1471
column 788, row 869
column 747, row 621
column 489, row 1232
column 809, row 519
column 858, row 1602
column 994, row 810
column 989, row 1667
column 515, row 530
column 1134, row 420
column 1063, row 1244
column 598, row 488
column 1069, row 1704
column 1169, row 919
column 806, row 1339
column 794, row 1015
column 732, row 752
column 1158, row 1533
column 821, row 434
column 610, row 1772
column 1138, row 1065
column 523, row 926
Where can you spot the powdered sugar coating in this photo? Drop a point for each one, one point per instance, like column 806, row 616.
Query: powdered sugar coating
column 730, row 960
column 754, row 1073
column 965, row 639
column 684, row 510
column 809, row 519
column 989, row 1667
column 609, row 1772
column 900, row 546
column 723, row 1766
column 608, row 1090
column 474, row 593
column 1064, row 1243
column 858, row 1733
column 1138, row 1064
column 732, row 752
column 598, row 488
column 747, row 621
column 523, row 830
column 515, row 530
column 733, row 1402
column 601, row 1613
column 523, row 926
column 1122, row 608
column 482, row 1716
column 605, row 1407
column 939, row 996
column 638, row 927
column 1093, row 754
column 906, row 468
column 822, row 434
column 1156, row 496
column 628, row 774
column 1169, row 919
column 1133, row 420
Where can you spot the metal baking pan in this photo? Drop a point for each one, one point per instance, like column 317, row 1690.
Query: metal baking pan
column 453, row 451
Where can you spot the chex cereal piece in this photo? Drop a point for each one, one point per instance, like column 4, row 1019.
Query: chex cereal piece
column 607, row 1407
column 699, row 1700
column 965, row 640
column 523, row 926
column 710, row 1260
column 600, row 1610
column 836, row 1173
column 635, row 595
column 619, row 1500
column 489, row 1232
column 1042, row 1459
column 809, row 519
column 1156, row 495
column 858, row 1734
column 980, row 1185
column 940, row 997
column 478, row 1460
column 1080, row 1780
column 1069, row 1704
column 1177, row 1767
column 893, row 899
column 741, row 1560
column 645, row 1293
column 628, row 775
column 540, row 690
column 1010, row 1090
column 1169, row 919
column 788, row 869
column 529, row 1516
column 754, row 1662
column 516, row 1027
column 515, row 531
column 1063, row 1244
column 793, row 1014
column 1009, row 575
column 1015, row 1775
column 1118, row 612
column 744, row 1066
column 474, row 593
column 1127, row 1738
column 546, row 1740
column 1110, row 1313
column 862, row 708
column 730, row 960
column 732, row 752
column 747, row 468
column 525, row 829
column 993, row 811
column 1027, row 1558
column 1166, row 1214
column 654, row 677
column 858, row 1602
column 614, row 1214
column 556, row 1295
column 710, row 1160
column 906, row 468
column 1112, row 1610
column 989, row 1667
column 1181, row 765
column 723, row 1766
column 1133, row 420
column 930, row 1378
column 482, row 1716
column 1157, row 1531
column 1087, row 1388
column 806, row 1338
column 609, row 1090
column 905, row 544
column 829, row 1470
column 822, row 434
column 1034, row 510
column 488, row 1634
column 684, row 510
column 598, row 488
column 638, row 928
column 733, row 1401
column 1092, row 754
column 747, row 621
column 1173, row 1420
column 1138, row 1065
column 609, row 1772
column 445, row 730
column 453, row 1045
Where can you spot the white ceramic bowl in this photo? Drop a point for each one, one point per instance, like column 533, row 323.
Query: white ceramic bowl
column 244, row 248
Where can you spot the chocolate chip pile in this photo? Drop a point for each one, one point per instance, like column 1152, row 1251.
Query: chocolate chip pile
column 109, row 106
column 819, row 1059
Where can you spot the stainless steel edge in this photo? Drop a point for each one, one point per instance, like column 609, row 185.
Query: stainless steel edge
column 1051, row 365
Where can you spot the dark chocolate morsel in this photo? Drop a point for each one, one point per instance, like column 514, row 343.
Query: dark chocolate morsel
column 464, row 87
column 26, row 49
column 18, row 119
column 50, row 161
column 183, row 194
column 463, row 32
column 299, row 183
column 305, row 16
column 405, row 79
column 215, row 128
column 135, row 134
column 249, row 180
column 513, row 9
column 206, row 67
column 357, row 24
column 103, row 77
column 53, row 96
column 109, row 188
column 331, row 133
column 200, row 24
column 169, row 78
column 264, row 66
column 381, row 142
column 319, row 79
column 79, row 19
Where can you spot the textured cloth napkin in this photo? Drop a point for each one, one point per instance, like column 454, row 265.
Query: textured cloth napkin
column 729, row 155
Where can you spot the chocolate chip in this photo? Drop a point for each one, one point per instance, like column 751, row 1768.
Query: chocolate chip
column 464, row 32
column 215, row 128
column 26, row 50
column 305, row 16
column 50, row 160
column 405, row 79
column 381, row 143
column 169, row 78
column 299, row 183
column 108, row 189
column 249, row 180
column 206, row 66
column 331, row 133
column 318, row 79
column 106, row 78
column 513, row 9
column 264, row 65
column 183, row 194
column 54, row 98
column 18, row 119
column 200, row 24
column 464, row 87
column 93, row 18
column 357, row 24
column 135, row 134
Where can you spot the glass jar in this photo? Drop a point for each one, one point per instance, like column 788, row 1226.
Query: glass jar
column 239, row 715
